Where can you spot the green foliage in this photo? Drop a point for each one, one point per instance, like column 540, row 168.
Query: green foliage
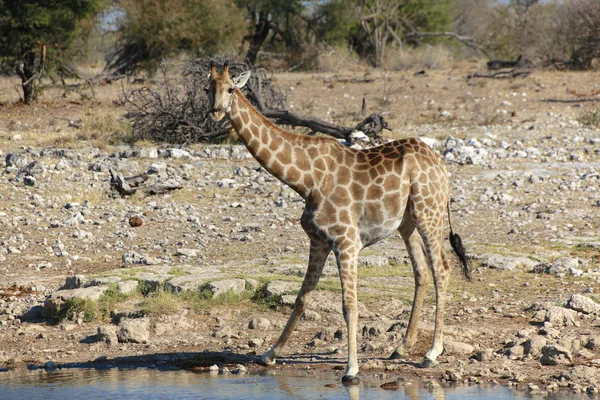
column 72, row 308
column 163, row 28
column 92, row 310
column 25, row 23
column 591, row 118
column 369, row 26
column 28, row 27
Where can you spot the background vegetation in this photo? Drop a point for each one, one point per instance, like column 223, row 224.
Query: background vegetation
column 124, row 36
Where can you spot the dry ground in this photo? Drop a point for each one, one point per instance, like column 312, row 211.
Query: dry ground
column 554, row 112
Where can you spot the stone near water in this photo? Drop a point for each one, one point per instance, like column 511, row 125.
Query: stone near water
column 54, row 303
column 555, row 354
column 107, row 334
column 134, row 330
column 534, row 345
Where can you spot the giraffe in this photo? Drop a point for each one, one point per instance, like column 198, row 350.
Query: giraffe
column 354, row 198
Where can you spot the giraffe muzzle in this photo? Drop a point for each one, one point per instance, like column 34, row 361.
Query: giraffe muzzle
column 217, row 114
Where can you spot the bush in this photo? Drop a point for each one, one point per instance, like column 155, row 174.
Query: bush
column 176, row 110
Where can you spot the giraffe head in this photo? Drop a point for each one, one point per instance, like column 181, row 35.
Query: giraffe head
column 220, row 90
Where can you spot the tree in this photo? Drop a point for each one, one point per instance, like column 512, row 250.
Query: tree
column 369, row 26
column 276, row 20
column 32, row 30
column 150, row 30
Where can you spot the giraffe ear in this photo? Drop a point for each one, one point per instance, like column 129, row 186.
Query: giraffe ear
column 240, row 80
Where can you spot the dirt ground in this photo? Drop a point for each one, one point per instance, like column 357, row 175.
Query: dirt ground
column 524, row 158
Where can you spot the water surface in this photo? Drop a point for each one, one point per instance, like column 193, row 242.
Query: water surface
column 148, row 384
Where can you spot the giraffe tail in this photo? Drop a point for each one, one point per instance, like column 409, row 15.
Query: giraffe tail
column 457, row 246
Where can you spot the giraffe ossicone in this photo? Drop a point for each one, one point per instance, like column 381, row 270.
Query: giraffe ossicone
column 354, row 198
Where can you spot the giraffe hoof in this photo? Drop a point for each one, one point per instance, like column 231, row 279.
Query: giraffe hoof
column 350, row 380
column 427, row 363
column 266, row 360
column 396, row 355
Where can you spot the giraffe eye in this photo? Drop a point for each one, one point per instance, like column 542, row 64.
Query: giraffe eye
column 231, row 90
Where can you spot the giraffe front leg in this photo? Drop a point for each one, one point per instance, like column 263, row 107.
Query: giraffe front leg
column 347, row 260
column 319, row 250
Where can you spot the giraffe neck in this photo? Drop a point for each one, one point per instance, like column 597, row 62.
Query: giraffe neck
column 287, row 156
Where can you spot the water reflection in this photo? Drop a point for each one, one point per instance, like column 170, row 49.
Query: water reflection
column 150, row 384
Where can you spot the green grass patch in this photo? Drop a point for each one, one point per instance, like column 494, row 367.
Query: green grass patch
column 203, row 299
column 161, row 302
column 177, row 271
column 71, row 309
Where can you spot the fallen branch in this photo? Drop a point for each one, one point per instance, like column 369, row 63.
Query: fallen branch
column 129, row 186
column 466, row 40
column 501, row 74
column 373, row 124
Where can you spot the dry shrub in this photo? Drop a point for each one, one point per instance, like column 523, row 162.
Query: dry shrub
column 336, row 59
column 424, row 57
column 175, row 109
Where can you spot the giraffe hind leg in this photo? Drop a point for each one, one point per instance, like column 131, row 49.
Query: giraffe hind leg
column 416, row 251
column 433, row 238
column 319, row 250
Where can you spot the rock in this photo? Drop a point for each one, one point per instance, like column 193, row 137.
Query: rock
column 562, row 265
column 310, row 315
column 16, row 160
column 190, row 253
column 593, row 343
column 29, row 180
column 50, row 366
column 484, row 355
column 560, row 316
column 534, row 345
column 259, row 323
column 278, row 288
column 33, row 314
column 555, row 354
column 223, row 332
column 373, row 261
column 192, row 282
column 127, row 287
column 255, row 342
column 496, row 261
column 134, row 330
column 131, row 257
column 458, row 347
column 104, row 280
column 177, row 153
column 136, row 221
column 227, row 285
column 581, row 373
column 251, row 284
column 583, row 304
column 54, row 303
column 107, row 334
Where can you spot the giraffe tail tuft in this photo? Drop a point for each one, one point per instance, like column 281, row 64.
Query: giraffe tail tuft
column 459, row 249
column 456, row 243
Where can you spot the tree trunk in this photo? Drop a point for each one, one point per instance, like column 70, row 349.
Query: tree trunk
column 261, row 31
column 29, row 73
column 26, row 71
